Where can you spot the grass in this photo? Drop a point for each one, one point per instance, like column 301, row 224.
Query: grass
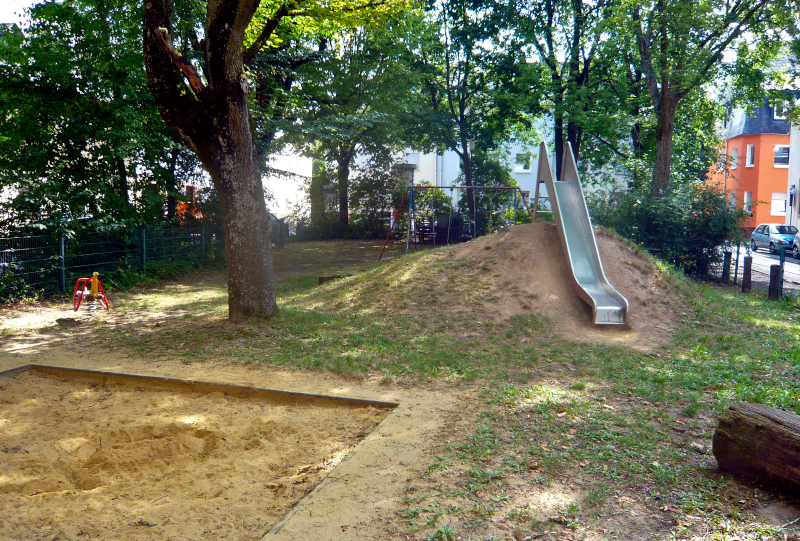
column 602, row 429
column 617, row 420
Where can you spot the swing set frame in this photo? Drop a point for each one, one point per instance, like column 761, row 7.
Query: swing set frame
column 412, row 216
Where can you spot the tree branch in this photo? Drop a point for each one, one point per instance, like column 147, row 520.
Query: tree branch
column 180, row 107
column 647, row 60
column 609, row 145
column 744, row 24
column 250, row 53
column 188, row 69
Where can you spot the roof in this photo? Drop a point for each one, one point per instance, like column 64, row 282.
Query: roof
column 760, row 120
column 9, row 28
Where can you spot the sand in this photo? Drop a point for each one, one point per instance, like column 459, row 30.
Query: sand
column 111, row 461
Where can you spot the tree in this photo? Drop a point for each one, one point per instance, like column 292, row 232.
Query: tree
column 476, row 89
column 681, row 44
column 84, row 139
column 568, row 39
column 356, row 98
column 210, row 110
column 627, row 139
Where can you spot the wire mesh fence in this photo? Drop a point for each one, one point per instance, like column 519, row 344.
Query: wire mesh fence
column 29, row 260
column 102, row 253
column 52, row 264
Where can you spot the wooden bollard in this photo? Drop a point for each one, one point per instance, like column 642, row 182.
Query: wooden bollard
column 760, row 443
column 747, row 284
column 774, row 282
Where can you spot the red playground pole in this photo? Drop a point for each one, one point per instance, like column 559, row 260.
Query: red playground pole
column 396, row 215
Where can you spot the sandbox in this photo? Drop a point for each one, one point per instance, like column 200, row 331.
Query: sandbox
column 114, row 456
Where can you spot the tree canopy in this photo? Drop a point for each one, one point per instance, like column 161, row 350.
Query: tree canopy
column 82, row 137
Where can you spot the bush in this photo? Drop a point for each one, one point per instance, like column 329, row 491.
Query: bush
column 13, row 287
column 688, row 227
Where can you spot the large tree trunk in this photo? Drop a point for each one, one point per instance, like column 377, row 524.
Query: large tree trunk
column 760, row 443
column 237, row 178
column 467, row 162
column 662, row 159
column 248, row 258
column 213, row 119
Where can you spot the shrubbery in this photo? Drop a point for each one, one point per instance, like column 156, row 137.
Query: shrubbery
column 688, row 228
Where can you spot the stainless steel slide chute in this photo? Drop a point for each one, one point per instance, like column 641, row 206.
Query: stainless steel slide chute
column 571, row 216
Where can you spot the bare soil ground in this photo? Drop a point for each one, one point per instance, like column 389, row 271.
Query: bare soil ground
column 529, row 274
column 519, row 273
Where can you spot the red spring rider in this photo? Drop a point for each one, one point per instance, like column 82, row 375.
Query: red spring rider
column 95, row 293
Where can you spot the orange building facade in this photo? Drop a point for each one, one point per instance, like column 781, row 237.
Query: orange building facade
column 758, row 151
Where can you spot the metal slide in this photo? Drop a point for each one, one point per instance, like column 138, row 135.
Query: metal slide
column 578, row 241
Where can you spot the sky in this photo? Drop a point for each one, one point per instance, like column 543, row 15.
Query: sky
column 10, row 10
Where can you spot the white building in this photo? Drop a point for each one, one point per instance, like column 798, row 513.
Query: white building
column 287, row 189
column 793, row 178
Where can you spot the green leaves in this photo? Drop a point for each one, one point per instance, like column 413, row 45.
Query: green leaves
column 82, row 136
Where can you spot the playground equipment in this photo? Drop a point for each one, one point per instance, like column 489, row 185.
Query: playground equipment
column 412, row 218
column 95, row 294
column 571, row 216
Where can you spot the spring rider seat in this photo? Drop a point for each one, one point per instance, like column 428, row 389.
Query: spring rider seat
column 95, row 293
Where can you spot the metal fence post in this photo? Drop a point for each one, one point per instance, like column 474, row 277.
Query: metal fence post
column 736, row 267
column 515, row 206
column 62, row 265
column 144, row 251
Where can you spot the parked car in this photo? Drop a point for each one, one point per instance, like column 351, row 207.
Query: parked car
column 796, row 246
column 773, row 237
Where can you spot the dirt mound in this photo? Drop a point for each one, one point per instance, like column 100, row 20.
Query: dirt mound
column 529, row 274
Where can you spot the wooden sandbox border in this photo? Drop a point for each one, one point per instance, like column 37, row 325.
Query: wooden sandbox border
column 204, row 387
column 192, row 386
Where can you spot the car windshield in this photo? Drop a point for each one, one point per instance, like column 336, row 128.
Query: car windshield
column 785, row 229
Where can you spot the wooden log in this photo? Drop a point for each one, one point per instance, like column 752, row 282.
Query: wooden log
column 325, row 279
column 760, row 443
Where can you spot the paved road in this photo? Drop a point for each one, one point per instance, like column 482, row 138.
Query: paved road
column 762, row 260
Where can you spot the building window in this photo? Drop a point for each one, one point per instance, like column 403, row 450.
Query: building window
column 522, row 163
column 781, row 155
column 779, row 111
column 778, row 207
column 748, row 202
column 751, row 155
column 734, row 157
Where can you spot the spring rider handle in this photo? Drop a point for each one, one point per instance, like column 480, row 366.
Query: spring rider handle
column 96, row 292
